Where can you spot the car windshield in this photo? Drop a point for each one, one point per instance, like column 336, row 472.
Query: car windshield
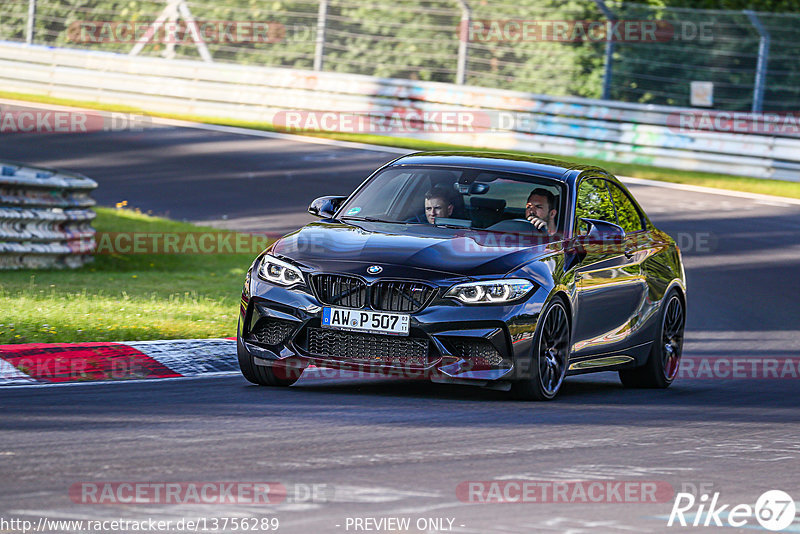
column 454, row 197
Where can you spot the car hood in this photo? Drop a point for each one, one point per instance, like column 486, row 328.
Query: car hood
column 420, row 247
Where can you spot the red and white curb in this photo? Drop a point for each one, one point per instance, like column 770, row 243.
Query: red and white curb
column 60, row 363
column 53, row 363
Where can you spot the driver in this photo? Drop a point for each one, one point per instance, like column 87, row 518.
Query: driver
column 540, row 210
column 438, row 203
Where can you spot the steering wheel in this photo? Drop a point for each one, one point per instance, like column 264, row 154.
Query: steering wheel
column 534, row 228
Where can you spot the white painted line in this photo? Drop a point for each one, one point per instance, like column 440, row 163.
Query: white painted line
column 770, row 199
column 10, row 375
column 192, row 357
column 4, row 387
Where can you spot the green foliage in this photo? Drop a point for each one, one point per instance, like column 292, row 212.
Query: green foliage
column 767, row 6
column 419, row 39
column 534, row 65
column 720, row 47
column 415, row 39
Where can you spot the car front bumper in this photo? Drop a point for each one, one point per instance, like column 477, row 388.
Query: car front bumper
column 447, row 342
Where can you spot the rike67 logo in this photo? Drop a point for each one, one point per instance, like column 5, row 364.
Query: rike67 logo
column 774, row 510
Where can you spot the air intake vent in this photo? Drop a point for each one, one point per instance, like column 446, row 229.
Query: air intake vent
column 479, row 352
column 270, row 331
column 368, row 348
column 400, row 296
column 340, row 290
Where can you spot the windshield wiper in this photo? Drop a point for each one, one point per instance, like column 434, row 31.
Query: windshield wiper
column 453, row 226
column 368, row 219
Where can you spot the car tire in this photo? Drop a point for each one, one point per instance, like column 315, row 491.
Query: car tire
column 260, row 374
column 664, row 359
column 550, row 355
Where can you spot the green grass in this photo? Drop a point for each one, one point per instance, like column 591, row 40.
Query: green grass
column 721, row 181
column 126, row 297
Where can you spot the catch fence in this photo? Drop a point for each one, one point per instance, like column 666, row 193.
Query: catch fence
column 586, row 48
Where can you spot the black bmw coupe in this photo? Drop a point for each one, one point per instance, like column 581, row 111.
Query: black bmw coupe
column 479, row 268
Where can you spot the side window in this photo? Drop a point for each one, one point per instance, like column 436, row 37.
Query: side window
column 594, row 202
column 629, row 217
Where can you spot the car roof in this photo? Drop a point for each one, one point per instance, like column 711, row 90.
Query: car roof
column 498, row 161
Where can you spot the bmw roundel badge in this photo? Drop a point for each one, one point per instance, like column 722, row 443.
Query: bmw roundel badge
column 374, row 269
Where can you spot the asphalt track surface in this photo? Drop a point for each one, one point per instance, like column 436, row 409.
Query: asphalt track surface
column 400, row 448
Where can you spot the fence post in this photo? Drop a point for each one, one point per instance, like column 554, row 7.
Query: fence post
column 763, row 58
column 183, row 9
column 174, row 10
column 319, row 51
column 30, row 27
column 463, row 42
column 610, row 45
column 165, row 15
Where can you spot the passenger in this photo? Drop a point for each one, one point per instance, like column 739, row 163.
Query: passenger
column 438, row 203
column 541, row 211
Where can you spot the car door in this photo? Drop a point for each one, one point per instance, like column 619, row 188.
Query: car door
column 637, row 247
column 609, row 285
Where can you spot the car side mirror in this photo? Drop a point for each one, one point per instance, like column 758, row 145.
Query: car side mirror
column 603, row 231
column 602, row 235
column 325, row 207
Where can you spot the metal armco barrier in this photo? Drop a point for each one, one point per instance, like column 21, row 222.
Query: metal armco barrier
column 570, row 127
column 45, row 218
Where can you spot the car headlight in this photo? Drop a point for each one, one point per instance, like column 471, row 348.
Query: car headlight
column 490, row 291
column 279, row 272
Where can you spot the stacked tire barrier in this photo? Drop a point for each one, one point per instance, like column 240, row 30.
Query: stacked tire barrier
column 45, row 218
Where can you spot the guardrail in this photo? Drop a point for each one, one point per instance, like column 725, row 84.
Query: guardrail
column 45, row 218
column 566, row 126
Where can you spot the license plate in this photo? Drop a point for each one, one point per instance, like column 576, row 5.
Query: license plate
column 365, row 321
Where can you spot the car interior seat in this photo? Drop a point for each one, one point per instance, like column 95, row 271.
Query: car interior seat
column 486, row 211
